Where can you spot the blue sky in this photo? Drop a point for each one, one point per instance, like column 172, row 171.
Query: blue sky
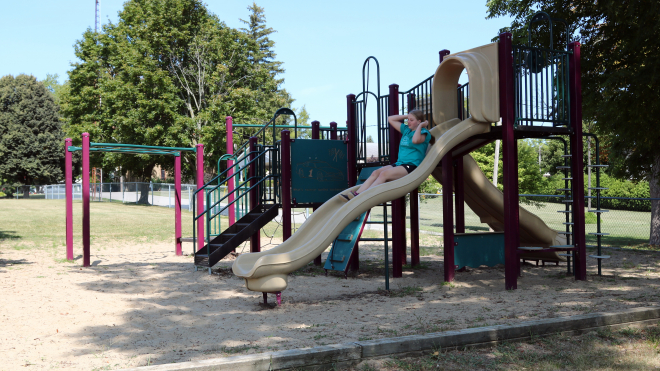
column 322, row 44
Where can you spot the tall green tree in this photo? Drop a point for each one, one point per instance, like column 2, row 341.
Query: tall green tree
column 620, row 76
column 31, row 138
column 264, row 58
column 166, row 74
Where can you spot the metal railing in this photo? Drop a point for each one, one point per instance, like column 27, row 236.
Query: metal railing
column 541, row 86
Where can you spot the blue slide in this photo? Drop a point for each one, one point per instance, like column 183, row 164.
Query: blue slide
column 342, row 247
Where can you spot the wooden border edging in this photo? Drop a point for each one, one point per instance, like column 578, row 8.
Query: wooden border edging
column 346, row 354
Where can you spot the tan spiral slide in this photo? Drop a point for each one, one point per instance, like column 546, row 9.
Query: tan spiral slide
column 268, row 271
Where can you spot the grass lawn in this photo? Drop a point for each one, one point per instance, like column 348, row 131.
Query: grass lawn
column 29, row 223
column 626, row 349
column 626, row 228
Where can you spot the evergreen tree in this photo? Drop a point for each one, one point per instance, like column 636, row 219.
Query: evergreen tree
column 257, row 31
column 264, row 58
column 31, row 138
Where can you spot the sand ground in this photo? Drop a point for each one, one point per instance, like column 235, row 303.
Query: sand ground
column 139, row 304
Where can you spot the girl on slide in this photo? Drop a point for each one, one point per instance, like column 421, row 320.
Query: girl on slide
column 412, row 149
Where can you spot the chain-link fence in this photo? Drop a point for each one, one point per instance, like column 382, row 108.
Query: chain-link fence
column 157, row 194
column 625, row 227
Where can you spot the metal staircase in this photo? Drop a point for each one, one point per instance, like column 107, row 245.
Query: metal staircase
column 256, row 176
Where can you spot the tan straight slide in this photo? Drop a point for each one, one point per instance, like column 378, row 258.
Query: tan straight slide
column 487, row 201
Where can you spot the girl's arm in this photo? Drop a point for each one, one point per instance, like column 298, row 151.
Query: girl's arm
column 418, row 137
column 396, row 121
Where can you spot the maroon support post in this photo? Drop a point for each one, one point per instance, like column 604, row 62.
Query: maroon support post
column 316, row 134
column 443, row 53
column 316, row 130
column 414, row 227
column 230, row 171
column 414, row 205
column 575, row 90
column 85, row 198
column 255, row 240
column 68, row 175
column 177, row 204
column 333, row 130
column 510, row 166
column 286, row 184
column 398, row 205
column 351, row 156
column 448, row 217
column 200, row 196
column 351, row 129
column 459, row 194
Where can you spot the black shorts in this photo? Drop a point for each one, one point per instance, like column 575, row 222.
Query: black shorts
column 409, row 168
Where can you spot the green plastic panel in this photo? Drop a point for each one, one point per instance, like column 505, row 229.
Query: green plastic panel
column 319, row 169
column 476, row 249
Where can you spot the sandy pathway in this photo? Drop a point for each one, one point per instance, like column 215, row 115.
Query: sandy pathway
column 141, row 304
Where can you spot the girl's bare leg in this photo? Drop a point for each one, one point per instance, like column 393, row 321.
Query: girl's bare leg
column 372, row 178
column 392, row 173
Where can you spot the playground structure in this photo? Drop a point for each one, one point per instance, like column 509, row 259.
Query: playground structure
column 532, row 92
column 88, row 147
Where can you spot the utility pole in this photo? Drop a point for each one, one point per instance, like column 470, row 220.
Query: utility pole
column 97, row 15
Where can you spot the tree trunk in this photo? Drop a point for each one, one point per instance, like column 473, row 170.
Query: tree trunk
column 144, row 194
column 26, row 191
column 655, row 205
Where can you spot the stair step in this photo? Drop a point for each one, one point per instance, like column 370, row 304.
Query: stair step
column 229, row 240
column 563, row 189
column 598, row 188
column 599, row 256
column 566, row 155
column 566, row 178
column 563, row 167
column 567, row 201
column 564, row 211
column 563, row 247
column 598, row 234
column 530, row 248
column 598, row 165
column 566, row 233
column 598, row 211
column 567, row 223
